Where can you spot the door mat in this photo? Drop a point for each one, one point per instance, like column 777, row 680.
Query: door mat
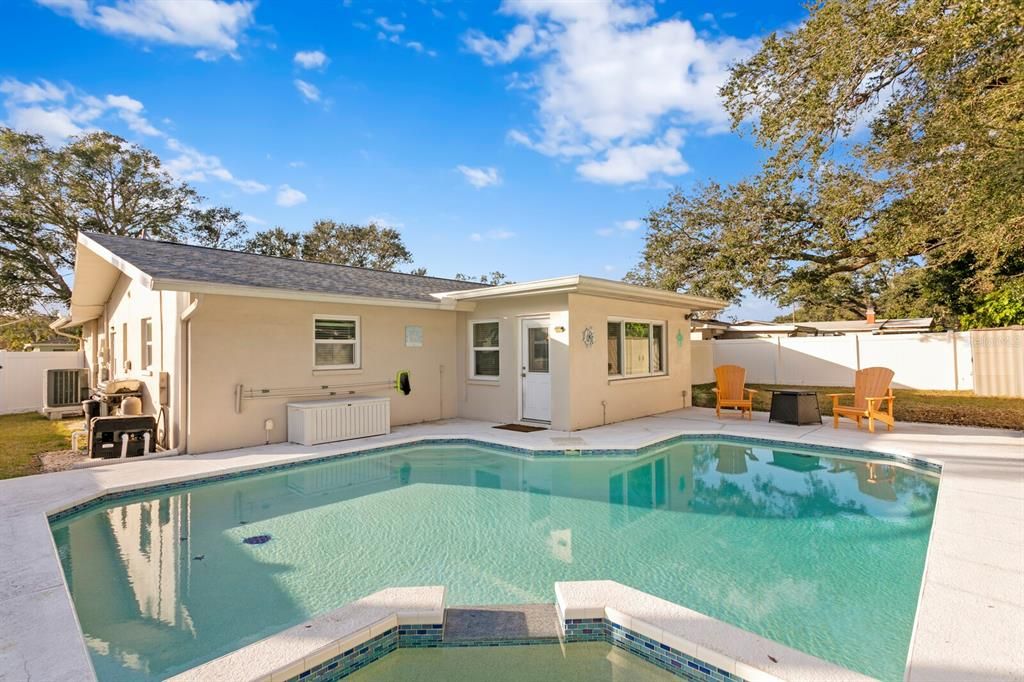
column 521, row 428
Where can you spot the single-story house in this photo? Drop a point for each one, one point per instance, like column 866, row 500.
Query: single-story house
column 222, row 341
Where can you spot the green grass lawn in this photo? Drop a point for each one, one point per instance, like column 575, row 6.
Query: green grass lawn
column 962, row 408
column 23, row 436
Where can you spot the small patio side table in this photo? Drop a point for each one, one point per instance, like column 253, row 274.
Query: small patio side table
column 791, row 406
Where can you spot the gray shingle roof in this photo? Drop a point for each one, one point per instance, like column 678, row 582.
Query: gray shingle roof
column 199, row 264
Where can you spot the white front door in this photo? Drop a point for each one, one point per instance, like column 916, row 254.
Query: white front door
column 536, row 371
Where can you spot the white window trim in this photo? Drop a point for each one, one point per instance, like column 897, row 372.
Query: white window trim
column 146, row 345
column 650, row 348
column 357, row 354
column 473, row 376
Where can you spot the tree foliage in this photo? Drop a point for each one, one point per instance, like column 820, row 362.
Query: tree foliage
column 896, row 131
column 97, row 182
column 1001, row 308
column 494, row 278
column 364, row 246
column 16, row 332
column 275, row 242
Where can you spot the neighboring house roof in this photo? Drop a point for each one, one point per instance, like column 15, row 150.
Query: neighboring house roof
column 190, row 265
column 166, row 266
column 879, row 326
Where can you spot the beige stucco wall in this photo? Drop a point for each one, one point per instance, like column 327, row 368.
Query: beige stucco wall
column 498, row 401
column 623, row 398
column 268, row 343
column 130, row 303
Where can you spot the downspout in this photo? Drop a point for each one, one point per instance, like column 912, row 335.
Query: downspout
column 186, row 417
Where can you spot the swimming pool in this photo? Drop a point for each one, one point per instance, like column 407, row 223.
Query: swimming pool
column 823, row 553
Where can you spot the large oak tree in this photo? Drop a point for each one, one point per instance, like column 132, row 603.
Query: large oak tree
column 97, row 182
column 896, row 138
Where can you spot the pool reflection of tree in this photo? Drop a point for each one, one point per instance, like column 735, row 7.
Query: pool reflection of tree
column 740, row 493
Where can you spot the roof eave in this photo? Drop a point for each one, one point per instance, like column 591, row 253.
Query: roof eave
column 588, row 285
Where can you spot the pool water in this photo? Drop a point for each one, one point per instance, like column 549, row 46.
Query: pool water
column 824, row 554
column 578, row 662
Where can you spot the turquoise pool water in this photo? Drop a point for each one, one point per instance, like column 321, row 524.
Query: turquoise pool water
column 822, row 553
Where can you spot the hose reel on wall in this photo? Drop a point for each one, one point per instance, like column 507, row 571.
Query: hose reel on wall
column 402, row 382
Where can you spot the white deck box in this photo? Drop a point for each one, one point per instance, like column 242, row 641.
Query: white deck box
column 313, row 422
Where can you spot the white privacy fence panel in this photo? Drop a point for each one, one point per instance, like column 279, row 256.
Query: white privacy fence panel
column 23, row 377
column 989, row 362
column 759, row 356
column 925, row 361
column 817, row 361
column 998, row 362
column 702, row 359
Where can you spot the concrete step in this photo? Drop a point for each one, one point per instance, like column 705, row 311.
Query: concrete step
column 494, row 623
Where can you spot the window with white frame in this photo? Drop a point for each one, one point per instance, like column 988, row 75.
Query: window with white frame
column 485, row 357
column 636, row 348
column 147, row 343
column 335, row 342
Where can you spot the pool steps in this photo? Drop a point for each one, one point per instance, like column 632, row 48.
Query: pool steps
column 689, row 644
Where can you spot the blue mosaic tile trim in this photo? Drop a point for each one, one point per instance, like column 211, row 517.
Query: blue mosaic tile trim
column 420, row 636
column 654, row 652
column 507, row 449
column 354, row 659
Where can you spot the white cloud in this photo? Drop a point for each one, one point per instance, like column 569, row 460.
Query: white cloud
column 289, row 196
column 213, row 27
column 309, row 92
column 16, row 92
column 130, row 111
column 384, row 220
column 500, row 51
column 311, row 59
column 55, row 125
column 610, row 268
column 60, row 112
column 622, row 228
column 296, row 164
column 388, row 26
column 253, row 219
column 495, row 235
column 480, row 177
column 635, row 163
column 614, row 84
column 192, row 165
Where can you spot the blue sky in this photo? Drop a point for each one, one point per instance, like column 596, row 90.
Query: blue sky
column 526, row 137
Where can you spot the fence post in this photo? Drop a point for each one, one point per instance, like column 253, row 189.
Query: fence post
column 856, row 349
column 779, row 368
column 951, row 337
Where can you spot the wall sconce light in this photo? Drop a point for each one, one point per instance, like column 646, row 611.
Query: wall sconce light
column 559, row 329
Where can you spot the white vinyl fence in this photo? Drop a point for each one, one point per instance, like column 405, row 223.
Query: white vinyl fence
column 942, row 361
column 23, row 377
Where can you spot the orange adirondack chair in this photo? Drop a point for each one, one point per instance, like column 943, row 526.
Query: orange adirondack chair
column 731, row 392
column 872, row 386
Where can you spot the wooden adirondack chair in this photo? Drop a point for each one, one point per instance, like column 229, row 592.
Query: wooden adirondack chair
column 872, row 386
column 731, row 392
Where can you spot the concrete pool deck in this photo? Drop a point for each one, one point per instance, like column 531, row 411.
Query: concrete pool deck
column 970, row 617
